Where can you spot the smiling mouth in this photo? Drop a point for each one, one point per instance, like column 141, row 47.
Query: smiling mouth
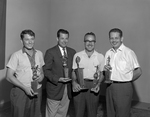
column 114, row 43
column 30, row 45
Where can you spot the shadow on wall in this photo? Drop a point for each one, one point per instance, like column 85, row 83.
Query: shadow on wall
column 5, row 88
column 5, row 94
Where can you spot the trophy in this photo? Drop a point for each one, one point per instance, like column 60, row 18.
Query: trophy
column 79, row 74
column 65, row 68
column 34, row 83
column 96, row 75
column 96, row 78
column 108, row 72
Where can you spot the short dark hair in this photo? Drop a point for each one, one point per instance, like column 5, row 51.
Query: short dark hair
column 63, row 31
column 90, row 33
column 27, row 31
column 116, row 30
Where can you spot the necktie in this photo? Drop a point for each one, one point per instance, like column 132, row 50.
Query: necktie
column 65, row 54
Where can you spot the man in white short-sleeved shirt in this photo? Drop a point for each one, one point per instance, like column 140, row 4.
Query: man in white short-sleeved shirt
column 92, row 63
column 124, row 67
column 24, row 101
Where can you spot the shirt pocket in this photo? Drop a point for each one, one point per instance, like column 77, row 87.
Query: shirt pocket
column 24, row 63
column 121, row 66
column 82, row 63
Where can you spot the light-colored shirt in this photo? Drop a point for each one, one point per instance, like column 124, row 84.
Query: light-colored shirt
column 19, row 62
column 123, row 61
column 62, row 51
column 89, row 64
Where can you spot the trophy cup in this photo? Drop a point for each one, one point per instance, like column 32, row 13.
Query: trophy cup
column 79, row 73
column 65, row 68
column 108, row 72
column 34, row 83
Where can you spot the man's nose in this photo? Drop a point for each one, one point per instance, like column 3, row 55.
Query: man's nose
column 30, row 41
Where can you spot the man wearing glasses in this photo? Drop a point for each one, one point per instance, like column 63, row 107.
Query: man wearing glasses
column 86, row 91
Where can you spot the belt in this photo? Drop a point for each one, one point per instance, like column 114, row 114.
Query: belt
column 86, row 79
column 121, row 81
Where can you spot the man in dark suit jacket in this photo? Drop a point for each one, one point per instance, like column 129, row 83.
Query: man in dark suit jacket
column 58, row 85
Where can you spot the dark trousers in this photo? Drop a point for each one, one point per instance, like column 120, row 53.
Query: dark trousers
column 118, row 99
column 23, row 105
column 86, row 100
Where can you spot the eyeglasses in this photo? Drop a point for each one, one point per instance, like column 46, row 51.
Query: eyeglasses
column 92, row 41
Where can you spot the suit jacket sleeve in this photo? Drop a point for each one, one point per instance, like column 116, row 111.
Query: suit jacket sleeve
column 48, row 68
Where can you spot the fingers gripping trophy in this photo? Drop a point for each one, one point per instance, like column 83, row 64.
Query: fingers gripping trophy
column 34, row 83
column 79, row 73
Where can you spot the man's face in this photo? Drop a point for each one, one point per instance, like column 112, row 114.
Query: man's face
column 28, row 41
column 115, row 40
column 89, row 43
column 63, row 40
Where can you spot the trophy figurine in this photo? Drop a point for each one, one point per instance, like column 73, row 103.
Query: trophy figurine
column 96, row 75
column 34, row 83
column 108, row 72
column 96, row 78
column 65, row 68
column 79, row 73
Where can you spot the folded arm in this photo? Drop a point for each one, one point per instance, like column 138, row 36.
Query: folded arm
column 137, row 72
column 12, row 79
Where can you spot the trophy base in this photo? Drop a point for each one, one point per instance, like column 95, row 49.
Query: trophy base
column 84, row 88
column 34, row 85
column 93, row 90
column 95, row 82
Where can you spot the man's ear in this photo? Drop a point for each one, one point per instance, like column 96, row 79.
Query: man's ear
column 21, row 40
column 121, row 39
column 57, row 38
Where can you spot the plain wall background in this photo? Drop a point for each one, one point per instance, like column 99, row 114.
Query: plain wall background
column 45, row 17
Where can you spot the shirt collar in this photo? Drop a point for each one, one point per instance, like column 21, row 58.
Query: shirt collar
column 24, row 51
column 119, row 49
column 94, row 53
column 61, row 47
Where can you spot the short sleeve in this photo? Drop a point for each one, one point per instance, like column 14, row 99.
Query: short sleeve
column 13, row 62
column 102, row 62
column 133, row 59
column 74, row 65
column 42, row 59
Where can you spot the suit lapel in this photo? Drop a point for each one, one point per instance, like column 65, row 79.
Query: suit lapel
column 69, row 56
column 58, row 51
column 67, row 52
